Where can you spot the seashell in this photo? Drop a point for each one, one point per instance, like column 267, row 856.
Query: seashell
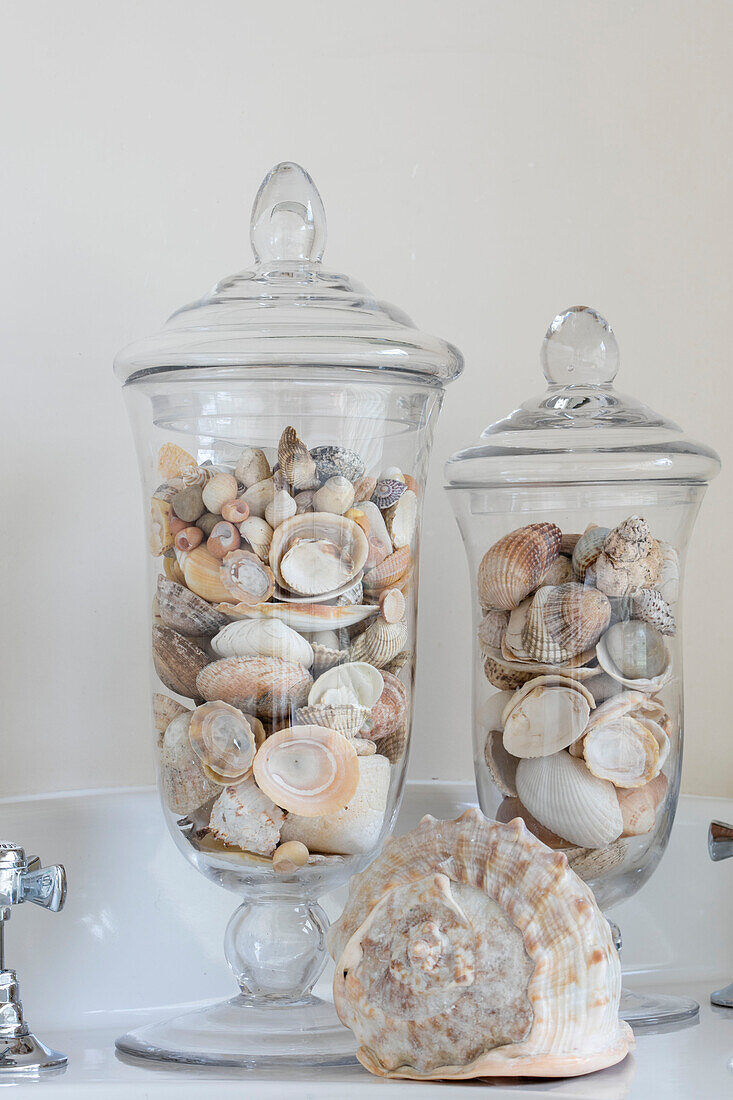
column 380, row 543
column 258, row 496
column 401, row 519
column 173, row 460
column 188, row 539
column 513, row 566
column 173, row 571
column 411, row 484
column 513, row 647
column 564, row 621
column 177, row 525
column 168, row 489
column 333, row 461
column 649, row 605
column 635, row 654
column 591, row 864
column 165, row 710
column 207, row 523
column 355, row 829
column 397, row 663
column 354, row 594
column 503, row 676
column 392, row 605
column 252, row 466
column 188, row 504
column 177, row 661
column 467, row 949
column 334, row 639
column 281, row 507
column 394, row 745
column 492, row 628
column 603, row 686
column 639, row 805
column 223, row 739
column 307, row 770
column 317, row 553
column 390, row 573
column 359, row 516
column 587, row 549
column 623, row 750
column 186, row 612
column 304, row 501
column 295, row 460
column 547, row 714
column 337, row 495
column 490, row 715
column 630, row 559
column 235, row 511
column 306, row 618
column 218, row 491
column 563, row 795
column 389, row 713
column 559, row 572
column 347, row 718
column 289, row 857
column 202, row 574
column 224, row 538
column 510, row 808
column 244, row 817
column 501, row 764
column 196, row 475
column 393, row 472
column 160, row 536
column 363, row 746
column 379, row 643
column 364, row 487
column 325, row 657
column 184, row 785
column 568, row 544
column 266, row 686
column 246, row 578
column 387, row 492
column 669, row 577
column 262, row 638
column 354, row 683
column 257, row 533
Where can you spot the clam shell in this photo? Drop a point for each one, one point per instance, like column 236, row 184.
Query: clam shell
column 336, row 495
column 317, row 552
column 262, row 638
column 352, row 683
column 295, row 460
column 380, row 543
column 252, row 466
column 333, row 461
column 564, row 621
column 165, row 710
column 635, row 647
column 511, row 808
column 559, row 572
column 177, row 661
column 392, row 605
column 325, row 657
column 258, row 496
column 390, row 573
column 246, row 578
column 514, row 565
column 380, row 642
column 257, row 533
column 304, row 617
column 401, row 519
column 649, row 605
column 501, row 764
column 387, row 492
column 389, row 713
column 563, row 795
column 587, row 549
column 347, row 719
column 623, row 750
column 630, row 559
column 173, row 460
column 547, row 714
column 160, row 535
column 266, row 686
column 244, row 817
column 503, row 676
column 184, row 785
column 307, row 770
column 186, row 612
column 202, row 574
column 223, row 739
column 490, row 715
column 492, row 628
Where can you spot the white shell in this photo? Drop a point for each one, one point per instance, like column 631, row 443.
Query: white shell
column 258, row 534
column 651, row 685
column 401, row 519
column 380, row 544
column 281, row 507
column 252, row 467
column 336, row 495
column 546, row 715
column 563, row 795
column 355, row 683
column 491, row 712
column 262, row 637
column 355, row 829
column 258, row 496
column 317, row 553
column 306, row 618
column 244, row 817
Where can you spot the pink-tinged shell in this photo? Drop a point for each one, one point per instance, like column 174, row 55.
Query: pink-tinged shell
column 467, row 949
column 639, row 805
column 266, row 686
column 389, row 713
column 177, row 661
column 379, row 643
column 223, row 540
column 223, row 739
column 390, row 573
column 394, row 745
column 514, row 566
column 173, row 461
column 247, row 579
column 186, row 612
column 202, row 573
column 307, row 770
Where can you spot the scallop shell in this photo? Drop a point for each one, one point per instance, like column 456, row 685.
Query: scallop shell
column 392, row 605
column 307, row 770
column 244, row 817
column 160, row 535
column 364, row 488
column 333, row 461
column 587, row 549
column 501, row 764
column 564, row 796
column 639, row 805
column 177, row 661
column 304, row 617
column 186, row 612
column 649, row 605
column 564, row 621
column 401, row 519
column 325, row 657
column 347, row 719
column 467, row 949
column 184, row 785
column 514, row 565
column 547, row 714
column 258, row 496
column 510, row 808
column 223, row 739
column 390, row 573
column 669, row 577
column 173, row 460
column 295, row 460
column 336, row 495
column 387, row 492
column 202, row 574
column 630, row 559
column 317, row 553
column 262, row 638
column 355, row 829
column 165, row 710
column 354, row 683
column 640, row 649
column 257, row 533
column 492, row 628
column 267, row 686
column 246, row 578
column 379, row 643
column 252, row 466
column 389, row 713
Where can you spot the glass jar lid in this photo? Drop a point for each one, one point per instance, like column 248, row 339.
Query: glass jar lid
column 581, row 429
column 288, row 310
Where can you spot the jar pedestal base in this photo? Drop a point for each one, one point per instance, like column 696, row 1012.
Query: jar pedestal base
column 247, row 1032
column 657, row 1010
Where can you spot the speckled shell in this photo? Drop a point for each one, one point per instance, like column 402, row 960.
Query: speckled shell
column 504, row 676
column 177, row 661
column 468, row 949
column 387, row 492
column 564, row 621
column 630, row 559
column 514, row 565
column 295, row 460
column 649, row 605
column 389, row 713
column 564, row 796
column 185, row 611
column 332, row 461
column 379, row 643
column 267, row 686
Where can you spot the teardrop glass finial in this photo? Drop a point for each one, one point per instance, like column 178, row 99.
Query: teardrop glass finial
column 579, row 349
column 288, row 221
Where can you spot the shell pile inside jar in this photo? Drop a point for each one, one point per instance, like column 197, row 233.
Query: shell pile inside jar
column 280, row 625
column 574, row 634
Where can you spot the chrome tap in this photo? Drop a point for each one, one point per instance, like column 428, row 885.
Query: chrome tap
column 22, row 878
column 720, row 846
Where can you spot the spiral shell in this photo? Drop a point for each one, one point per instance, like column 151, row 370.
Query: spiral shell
column 649, row 605
column 468, row 949
column 514, row 565
column 387, row 492
column 630, row 558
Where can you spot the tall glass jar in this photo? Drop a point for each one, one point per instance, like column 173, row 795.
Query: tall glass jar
column 576, row 511
column 283, row 426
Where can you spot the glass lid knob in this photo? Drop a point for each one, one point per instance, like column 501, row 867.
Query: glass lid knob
column 288, row 223
column 579, row 349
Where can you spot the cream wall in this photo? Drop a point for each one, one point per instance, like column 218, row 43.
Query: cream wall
column 483, row 165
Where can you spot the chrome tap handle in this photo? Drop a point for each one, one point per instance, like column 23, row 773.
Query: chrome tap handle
column 720, row 840
column 46, row 887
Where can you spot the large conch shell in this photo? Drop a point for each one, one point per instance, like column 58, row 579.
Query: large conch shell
column 469, row 949
column 307, row 770
column 514, row 566
column 317, row 553
column 565, row 797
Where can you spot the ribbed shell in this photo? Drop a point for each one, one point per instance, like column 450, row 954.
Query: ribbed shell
column 429, row 950
column 267, row 686
column 514, row 565
column 347, row 719
column 587, row 549
column 295, row 460
column 564, row 621
column 186, row 612
column 564, row 797
column 177, row 661
column 379, row 643
column 390, row 572
column 390, row 711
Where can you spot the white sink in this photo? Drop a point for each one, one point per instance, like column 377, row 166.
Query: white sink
column 142, row 932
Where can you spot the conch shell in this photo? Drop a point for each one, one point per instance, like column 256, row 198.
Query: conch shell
column 468, row 949
column 307, row 770
column 514, row 566
column 630, row 559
